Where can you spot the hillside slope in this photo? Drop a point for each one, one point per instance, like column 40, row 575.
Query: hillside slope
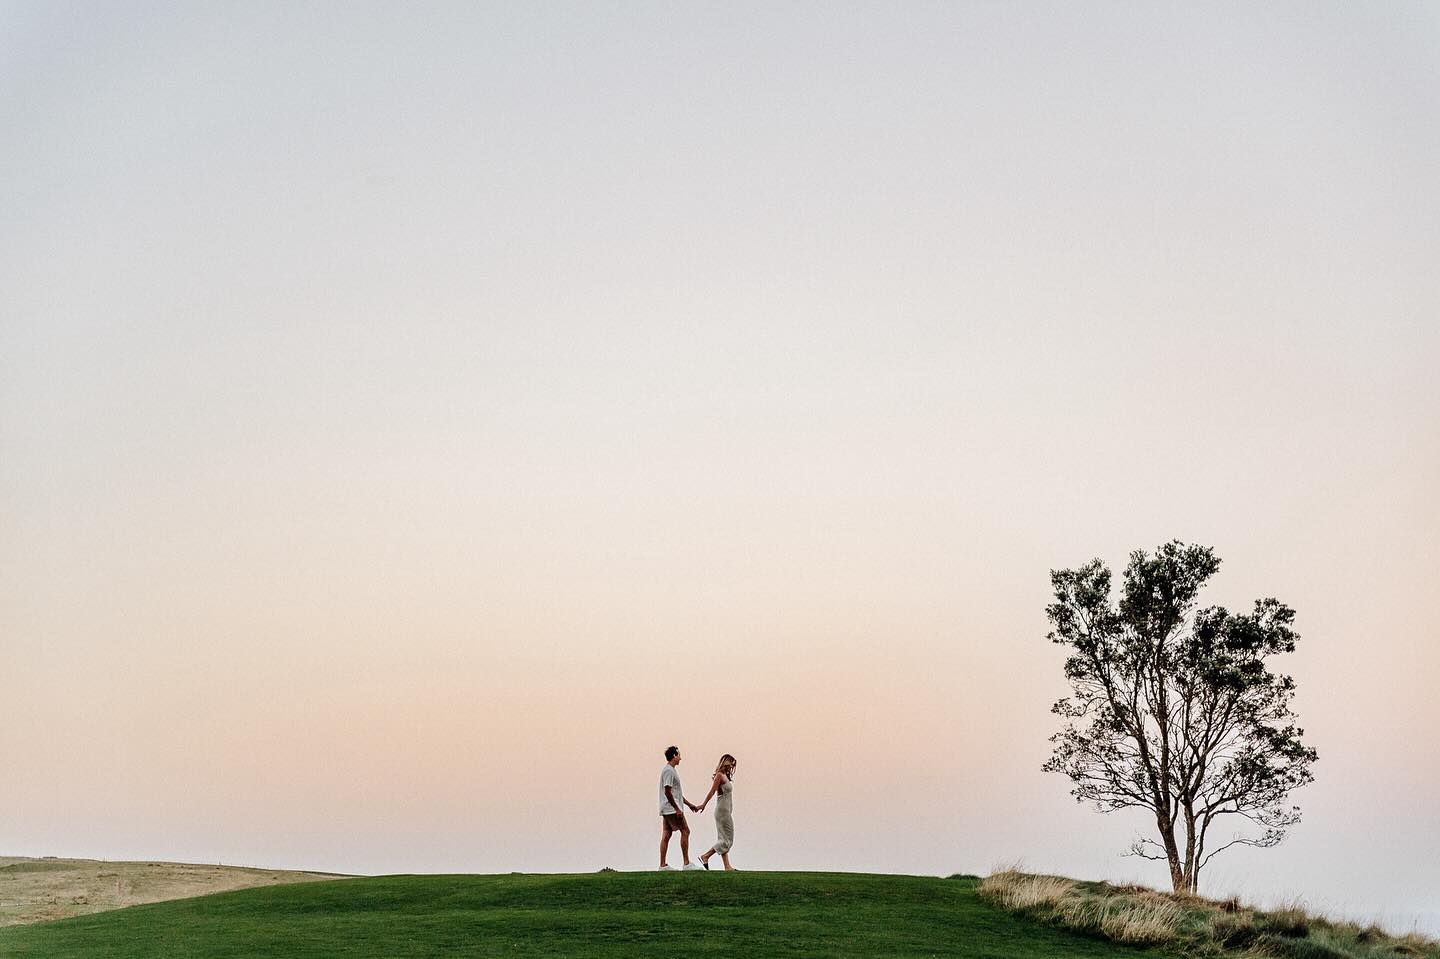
column 592, row 915
column 36, row 890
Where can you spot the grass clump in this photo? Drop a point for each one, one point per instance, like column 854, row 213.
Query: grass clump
column 1141, row 918
column 1192, row 925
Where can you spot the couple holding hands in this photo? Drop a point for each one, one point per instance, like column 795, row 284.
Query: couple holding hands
column 672, row 816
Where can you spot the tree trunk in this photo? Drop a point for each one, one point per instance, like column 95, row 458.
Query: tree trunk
column 1192, row 868
column 1172, row 853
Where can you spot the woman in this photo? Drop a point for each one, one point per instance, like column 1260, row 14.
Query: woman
column 724, row 784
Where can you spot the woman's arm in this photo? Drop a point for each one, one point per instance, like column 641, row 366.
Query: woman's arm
column 713, row 786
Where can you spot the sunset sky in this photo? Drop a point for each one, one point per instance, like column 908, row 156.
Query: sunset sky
column 413, row 419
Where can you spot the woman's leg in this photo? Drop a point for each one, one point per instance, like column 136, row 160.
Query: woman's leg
column 725, row 858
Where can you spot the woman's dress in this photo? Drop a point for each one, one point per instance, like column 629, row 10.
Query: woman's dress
column 724, row 822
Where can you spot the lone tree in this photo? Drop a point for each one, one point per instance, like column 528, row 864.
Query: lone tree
column 1175, row 711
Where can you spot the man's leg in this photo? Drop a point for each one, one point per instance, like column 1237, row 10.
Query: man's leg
column 664, row 841
column 685, row 842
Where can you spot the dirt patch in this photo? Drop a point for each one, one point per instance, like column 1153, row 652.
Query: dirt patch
column 36, row 890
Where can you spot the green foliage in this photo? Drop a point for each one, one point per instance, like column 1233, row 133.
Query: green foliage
column 1291, row 947
column 694, row 915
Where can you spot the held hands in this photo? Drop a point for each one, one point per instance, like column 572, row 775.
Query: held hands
column 693, row 807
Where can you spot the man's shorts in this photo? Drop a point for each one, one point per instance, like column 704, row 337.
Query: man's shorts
column 674, row 821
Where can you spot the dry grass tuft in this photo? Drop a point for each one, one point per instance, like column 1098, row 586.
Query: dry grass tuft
column 1291, row 921
column 1141, row 922
column 1017, row 891
column 1143, row 917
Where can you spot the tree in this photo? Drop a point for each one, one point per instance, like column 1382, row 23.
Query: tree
column 1174, row 710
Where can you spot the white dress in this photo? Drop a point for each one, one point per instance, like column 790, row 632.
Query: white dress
column 724, row 823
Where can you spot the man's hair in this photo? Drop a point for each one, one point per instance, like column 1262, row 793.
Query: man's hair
column 670, row 753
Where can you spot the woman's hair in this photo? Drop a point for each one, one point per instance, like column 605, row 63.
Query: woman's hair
column 726, row 766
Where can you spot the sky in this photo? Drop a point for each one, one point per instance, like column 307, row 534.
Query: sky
column 414, row 419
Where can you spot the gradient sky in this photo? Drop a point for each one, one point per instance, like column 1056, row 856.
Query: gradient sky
column 412, row 419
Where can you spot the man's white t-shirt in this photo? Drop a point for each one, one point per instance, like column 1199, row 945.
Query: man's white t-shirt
column 669, row 777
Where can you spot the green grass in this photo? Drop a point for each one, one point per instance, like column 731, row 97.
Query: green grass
column 690, row 915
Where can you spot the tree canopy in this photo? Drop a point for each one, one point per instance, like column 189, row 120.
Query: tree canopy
column 1175, row 710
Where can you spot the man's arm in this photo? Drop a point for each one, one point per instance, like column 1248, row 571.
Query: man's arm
column 673, row 804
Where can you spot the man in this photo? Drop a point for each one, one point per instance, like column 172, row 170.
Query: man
column 672, row 817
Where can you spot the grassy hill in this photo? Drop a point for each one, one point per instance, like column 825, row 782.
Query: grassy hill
column 739, row 914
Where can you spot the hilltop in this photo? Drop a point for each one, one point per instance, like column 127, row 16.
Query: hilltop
column 742, row 914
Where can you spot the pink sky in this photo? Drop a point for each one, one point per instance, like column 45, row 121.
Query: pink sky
column 409, row 428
